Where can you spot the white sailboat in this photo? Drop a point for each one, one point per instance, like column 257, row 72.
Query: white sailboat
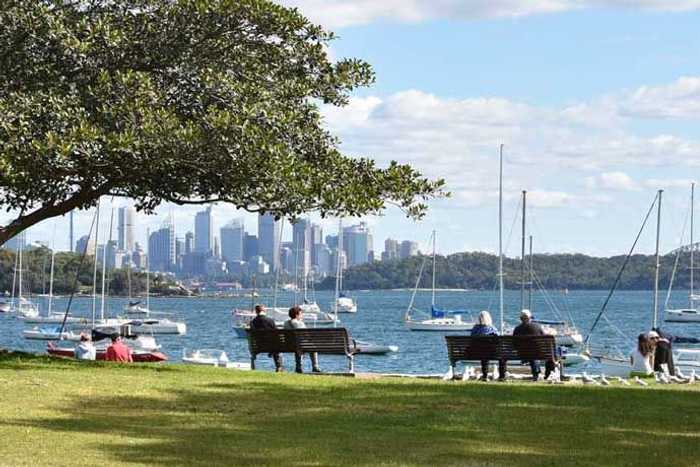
column 212, row 357
column 691, row 314
column 618, row 364
column 439, row 320
column 24, row 307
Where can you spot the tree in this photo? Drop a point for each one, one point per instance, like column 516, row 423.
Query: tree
column 182, row 101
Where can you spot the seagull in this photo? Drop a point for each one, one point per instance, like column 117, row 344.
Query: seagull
column 449, row 375
column 664, row 379
column 604, row 381
column 640, row 382
column 692, row 377
column 623, row 381
column 587, row 379
column 680, row 374
column 676, row 379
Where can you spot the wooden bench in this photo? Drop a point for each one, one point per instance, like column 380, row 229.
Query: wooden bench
column 327, row 341
column 506, row 348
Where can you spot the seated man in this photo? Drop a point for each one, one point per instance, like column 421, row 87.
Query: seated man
column 296, row 321
column 118, row 351
column 85, row 350
column 262, row 321
column 529, row 328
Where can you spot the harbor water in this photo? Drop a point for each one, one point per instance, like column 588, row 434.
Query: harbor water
column 380, row 320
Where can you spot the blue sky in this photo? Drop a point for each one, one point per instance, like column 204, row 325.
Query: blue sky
column 597, row 102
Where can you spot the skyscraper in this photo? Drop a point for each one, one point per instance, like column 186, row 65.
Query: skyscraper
column 126, row 219
column 357, row 245
column 391, row 249
column 204, row 232
column 269, row 240
column 232, row 241
column 408, row 249
column 315, row 239
column 161, row 248
column 189, row 243
column 83, row 243
column 301, row 236
column 250, row 246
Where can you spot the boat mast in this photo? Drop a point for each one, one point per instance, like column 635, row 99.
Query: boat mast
column 148, row 270
column 19, row 285
column 94, row 269
column 658, row 263
column 500, row 235
column 522, row 256
column 104, row 264
column 53, row 256
column 432, row 302
column 692, row 246
column 529, row 295
column 14, row 279
column 338, row 273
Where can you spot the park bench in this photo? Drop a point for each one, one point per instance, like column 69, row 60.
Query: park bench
column 506, row 348
column 325, row 341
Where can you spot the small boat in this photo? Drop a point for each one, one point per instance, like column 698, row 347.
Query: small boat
column 136, row 309
column 366, row 348
column 309, row 307
column 346, row 304
column 575, row 358
column 26, row 308
column 54, row 318
column 142, row 350
column 212, row 357
column 684, row 315
column 50, row 333
column 146, row 326
column 5, row 307
column 564, row 334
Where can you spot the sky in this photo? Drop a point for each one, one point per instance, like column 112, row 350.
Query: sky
column 597, row 103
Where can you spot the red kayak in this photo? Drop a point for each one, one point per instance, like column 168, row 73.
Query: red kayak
column 138, row 355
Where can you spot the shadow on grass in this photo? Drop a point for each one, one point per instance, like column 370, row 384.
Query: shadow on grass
column 254, row 419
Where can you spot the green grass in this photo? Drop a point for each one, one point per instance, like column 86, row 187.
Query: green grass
column 64, row 413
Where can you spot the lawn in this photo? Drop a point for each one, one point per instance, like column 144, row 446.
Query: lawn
column 64, row 413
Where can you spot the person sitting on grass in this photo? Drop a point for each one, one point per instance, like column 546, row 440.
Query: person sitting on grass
column 484, row 327
column 663, row 352
column 85, row 350
column 296, row 321
column 118, row 351
column 527, row 327
column 642, row 357
column 262, row 321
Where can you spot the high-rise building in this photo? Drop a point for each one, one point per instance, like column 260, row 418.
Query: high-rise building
column 287, row 259
column 408, row 249
column 204, row 232
column 301, row 233
column 189, row 243
column 332, row 241
column 391, row 249
column 250, row 246
column 217, row 248
column 232, row 241
column 161, row 248
column 138, row 257
column 315, row 239
column 269, row 240
column 126, row 220
column 85, row 242
column 334, row 260
column 357, row 243
column 323, row 265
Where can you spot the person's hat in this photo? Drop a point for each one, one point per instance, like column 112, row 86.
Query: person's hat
column 525, row 314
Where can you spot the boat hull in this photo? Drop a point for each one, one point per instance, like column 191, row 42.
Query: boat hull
column 682, row 316
column 138, row 356
column 439, row 325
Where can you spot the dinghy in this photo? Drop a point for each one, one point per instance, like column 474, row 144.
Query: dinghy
column 212, row 357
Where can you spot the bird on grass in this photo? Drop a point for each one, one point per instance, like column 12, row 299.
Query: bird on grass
column 640, row 382
column 623, row 381
column 603, row 380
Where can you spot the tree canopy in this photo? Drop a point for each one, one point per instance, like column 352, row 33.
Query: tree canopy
column 182, row 101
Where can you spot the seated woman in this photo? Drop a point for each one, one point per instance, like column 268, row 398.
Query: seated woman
column 484, row 327
column 642, row 357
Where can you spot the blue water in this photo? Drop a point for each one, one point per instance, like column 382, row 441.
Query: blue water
column 380, row 320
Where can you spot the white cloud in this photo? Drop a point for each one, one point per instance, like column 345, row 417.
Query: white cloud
column 342, row 13
column 680, row 99
column 616, row 181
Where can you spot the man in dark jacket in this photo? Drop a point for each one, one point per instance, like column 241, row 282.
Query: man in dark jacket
column 529, row 328
column 262, row 321
column 663, row 355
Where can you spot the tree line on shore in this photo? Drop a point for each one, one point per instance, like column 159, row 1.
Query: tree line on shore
column 476, row 270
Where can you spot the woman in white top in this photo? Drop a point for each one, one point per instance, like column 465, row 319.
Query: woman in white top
column 642, row 357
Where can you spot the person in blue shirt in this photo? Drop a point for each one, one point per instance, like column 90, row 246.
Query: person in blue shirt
column 484, row 327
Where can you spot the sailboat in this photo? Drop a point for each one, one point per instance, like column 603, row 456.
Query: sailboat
column 691, row 314
column 24, row 307
column 620, row 365
column 565, row 334
column 343, row 303
column 440, row 320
